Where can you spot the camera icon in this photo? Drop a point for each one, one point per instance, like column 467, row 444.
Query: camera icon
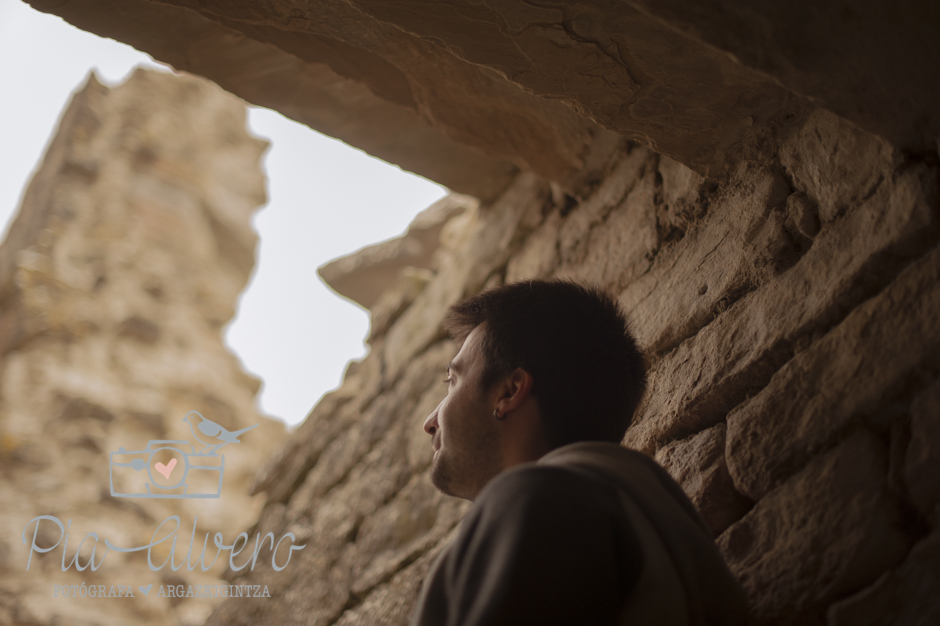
column 170, row 468
column 166, row 469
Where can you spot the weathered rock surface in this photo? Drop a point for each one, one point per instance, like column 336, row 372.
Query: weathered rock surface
column 698, row 465
column 364, row 275
column 707, row 375
column 871, row 63
column 124, row 261
column 875, row 350
column 908, row 595
column 426, row 85
column 758, row 186
column 337, row 88
column 529, row 86
column 610, row 63
column 828, row 531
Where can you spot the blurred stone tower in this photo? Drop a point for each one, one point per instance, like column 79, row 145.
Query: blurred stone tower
column 126, row 259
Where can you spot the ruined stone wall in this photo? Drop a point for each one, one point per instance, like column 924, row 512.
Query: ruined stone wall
column 127, row 256
column 787, row 301
column 789, row 313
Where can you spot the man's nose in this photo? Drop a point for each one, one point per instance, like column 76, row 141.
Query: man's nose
column 430, row 424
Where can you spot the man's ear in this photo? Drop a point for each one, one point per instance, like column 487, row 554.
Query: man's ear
column 514, row 390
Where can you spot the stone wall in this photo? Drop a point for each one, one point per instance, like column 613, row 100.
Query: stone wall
column 127, row 256
column 756, row 181
column 789, row 313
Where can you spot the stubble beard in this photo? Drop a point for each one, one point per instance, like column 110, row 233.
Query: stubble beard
column 464, row 474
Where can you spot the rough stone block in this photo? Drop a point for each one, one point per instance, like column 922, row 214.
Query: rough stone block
column 393, row 603
column 839, row 382
column 908, row 595
column 709, row 374
column 836, row 164
column 695, row 278
column 394, row 300
column 922, row 460
column 363, row 276
column 388, row 414
column 875, row 66
column 574, row 53
column 620, row 244
column 828, row 531
column 575, row 231
column 802, row 218
column 539, row 255
column 280, row 475
column 682, row 188
column 417, row 518
column 698, row 464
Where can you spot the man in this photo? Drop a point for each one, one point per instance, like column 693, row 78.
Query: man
column 567, row 526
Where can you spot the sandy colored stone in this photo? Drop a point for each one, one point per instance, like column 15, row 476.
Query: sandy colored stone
column 128, row 254
column 285, row 467
column 720, row 258
column 828, row 531
column 417, row 519
column 874, row 352
column 698, row 464
column 539, row 255
column 922, row 460
column 364, row 275
column 575, row 232
column 393, row 603
column 907, row 595
column 520, row 84
column 394, row 300
column 836, row 164
column 343, row 91
column 608, row 62
column 622, row 235
column 321, row 583
column 364, row 428
column 802, row 219
column 709, row 374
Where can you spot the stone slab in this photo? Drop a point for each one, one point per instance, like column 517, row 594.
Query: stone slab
column 698, row 464
column 706, row 376
column 830, row 530
column 720, row 257
column 330, row 88
column 839, row 382
column 610, row 63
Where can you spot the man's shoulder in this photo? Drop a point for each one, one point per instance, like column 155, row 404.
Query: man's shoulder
column 544, row 487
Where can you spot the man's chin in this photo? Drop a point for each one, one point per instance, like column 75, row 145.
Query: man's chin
column 443, row 478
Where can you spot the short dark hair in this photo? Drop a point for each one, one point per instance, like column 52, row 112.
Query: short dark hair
column 589, row 374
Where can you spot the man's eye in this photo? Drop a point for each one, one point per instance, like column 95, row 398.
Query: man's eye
column 448, row 381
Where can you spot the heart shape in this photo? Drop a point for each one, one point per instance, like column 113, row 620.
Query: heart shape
column 166, row 470
column 146, row 590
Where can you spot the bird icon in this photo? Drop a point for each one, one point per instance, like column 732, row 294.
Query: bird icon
column 209, row 429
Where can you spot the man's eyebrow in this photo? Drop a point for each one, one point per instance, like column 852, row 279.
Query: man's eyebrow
column 452, row 367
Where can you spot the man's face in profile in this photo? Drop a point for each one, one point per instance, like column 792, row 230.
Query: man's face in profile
column 463, row 429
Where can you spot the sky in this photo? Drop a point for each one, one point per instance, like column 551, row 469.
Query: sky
column 326, row 200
